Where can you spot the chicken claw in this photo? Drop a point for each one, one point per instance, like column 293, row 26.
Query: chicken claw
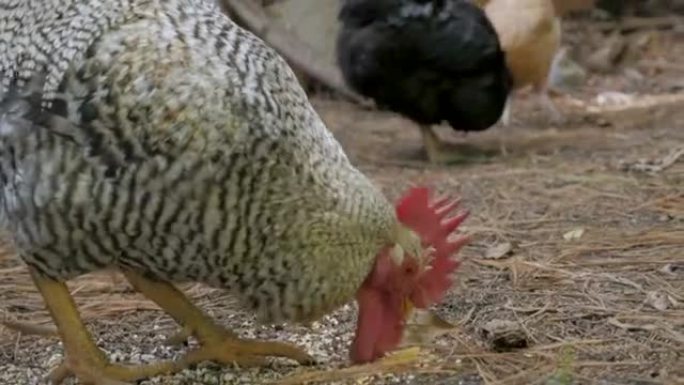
column 97, row 371
column 83, row 359
column 216, row 343
column 229, row 349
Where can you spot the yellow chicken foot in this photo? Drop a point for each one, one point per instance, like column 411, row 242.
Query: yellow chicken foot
column 216, row 343
column 83, row 359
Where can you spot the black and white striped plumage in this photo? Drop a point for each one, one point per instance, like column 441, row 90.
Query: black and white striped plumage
column 177, row 144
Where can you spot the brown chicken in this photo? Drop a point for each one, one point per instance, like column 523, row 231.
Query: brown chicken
column 530, row 34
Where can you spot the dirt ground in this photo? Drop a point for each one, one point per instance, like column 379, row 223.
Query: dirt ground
column 578, row 251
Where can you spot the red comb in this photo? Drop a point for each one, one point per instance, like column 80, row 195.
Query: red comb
column 430, row 222
column 382, row 296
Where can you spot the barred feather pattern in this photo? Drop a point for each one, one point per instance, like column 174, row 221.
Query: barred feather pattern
column 178, row 144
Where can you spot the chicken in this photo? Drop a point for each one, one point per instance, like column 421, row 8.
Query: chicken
column 431, row 61
column 530, row 33
column 160, row 139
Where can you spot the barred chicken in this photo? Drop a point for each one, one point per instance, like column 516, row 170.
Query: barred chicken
column 429, row 60
column 161, row 139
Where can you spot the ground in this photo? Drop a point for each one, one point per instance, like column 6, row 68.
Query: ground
column 578, row 248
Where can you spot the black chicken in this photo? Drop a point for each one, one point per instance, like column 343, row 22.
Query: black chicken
column 430, row 60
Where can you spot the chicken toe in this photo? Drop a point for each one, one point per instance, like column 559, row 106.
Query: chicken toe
column 91, row 370
column 231, row 350
column 83, row 359
column 216, row 343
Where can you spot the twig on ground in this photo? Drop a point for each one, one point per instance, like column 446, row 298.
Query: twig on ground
column 30, row 328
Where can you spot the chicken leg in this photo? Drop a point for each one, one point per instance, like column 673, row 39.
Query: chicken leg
column 506, row 115
column 83, row 359
column 217, row 344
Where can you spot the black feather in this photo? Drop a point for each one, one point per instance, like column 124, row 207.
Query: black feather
column 430, row 60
